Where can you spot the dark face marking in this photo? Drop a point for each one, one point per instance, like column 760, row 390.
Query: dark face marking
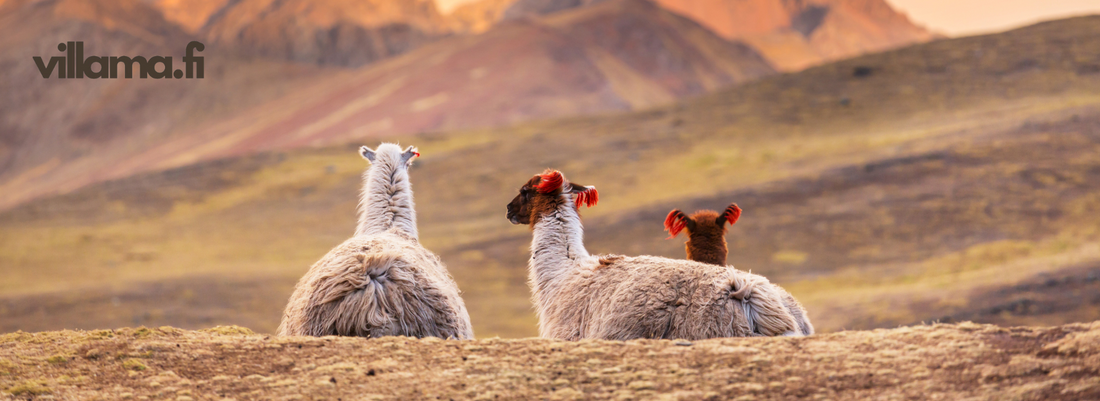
column 532, row 203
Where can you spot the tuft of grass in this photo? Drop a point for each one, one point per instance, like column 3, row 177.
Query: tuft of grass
column 134, row 364
column 7, row 367
column 30, row 387
column 57, row 359
column 231, row 330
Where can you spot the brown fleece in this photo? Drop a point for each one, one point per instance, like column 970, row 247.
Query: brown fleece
column 706, row 238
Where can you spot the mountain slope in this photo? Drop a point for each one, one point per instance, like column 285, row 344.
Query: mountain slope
column 48, row 125
column 340, row 32
column 950, row 180
column 615, row 57
column 791, row 34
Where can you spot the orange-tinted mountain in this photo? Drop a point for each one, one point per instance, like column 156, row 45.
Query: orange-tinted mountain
column 791, row 34
column 615, row 56
column 51, row 127
column 795, row 34
column 478, row 16
column 340, row 32
column 190, row 15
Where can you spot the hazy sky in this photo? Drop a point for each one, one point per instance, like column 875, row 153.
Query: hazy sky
column 965, row 17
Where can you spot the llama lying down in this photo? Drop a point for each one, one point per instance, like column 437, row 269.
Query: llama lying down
column 706, row 231
column 614, row 297
column 381, row 282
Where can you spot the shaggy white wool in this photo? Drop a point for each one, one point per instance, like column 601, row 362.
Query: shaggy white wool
column 387, row 197
column 577, row 296
column 381, row 282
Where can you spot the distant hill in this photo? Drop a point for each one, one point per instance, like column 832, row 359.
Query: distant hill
column 191, row 15
column 618, row 56
column 49, row 126
column 791, row 34
column 478, row 16
column 796, row 34
column 340, row 32
column 953, row 180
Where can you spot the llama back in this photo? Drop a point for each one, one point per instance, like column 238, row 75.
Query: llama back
column 653, row 297
column 377, row 285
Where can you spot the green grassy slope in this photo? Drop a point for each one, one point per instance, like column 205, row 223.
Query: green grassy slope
column 938, row 181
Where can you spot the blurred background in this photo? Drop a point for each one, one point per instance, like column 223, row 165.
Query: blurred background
column 898, row 161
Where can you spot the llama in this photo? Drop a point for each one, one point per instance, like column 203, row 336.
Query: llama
column 706, row 231
column 381, row 282
column 614, row 297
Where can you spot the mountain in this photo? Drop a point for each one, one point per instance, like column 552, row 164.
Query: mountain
column 791, row 34
column 191, row 15
column 617, row 56
column 951, row 180
column 50, row 126
column 795, row 34
column 478, row 16
column 340, row 32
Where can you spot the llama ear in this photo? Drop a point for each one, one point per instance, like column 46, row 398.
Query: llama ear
column 550, row 181
column 676, row 222
column 408, row 155
column 731, row 214
column 585, row 195
column 367, row 153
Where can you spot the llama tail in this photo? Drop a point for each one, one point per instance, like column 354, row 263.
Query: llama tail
column 763, row 306
column 352, row 300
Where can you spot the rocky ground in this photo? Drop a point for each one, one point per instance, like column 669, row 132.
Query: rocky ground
column 941, row 361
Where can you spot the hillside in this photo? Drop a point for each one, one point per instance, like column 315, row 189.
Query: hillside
column 792, row 35
column 950, row 180
column 796, row 34
column 339, row 32
column 922, row 362
column 49, row 126
column 620, row 56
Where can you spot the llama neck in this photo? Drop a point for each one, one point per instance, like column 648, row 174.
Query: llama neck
column 386, row 201
column 707, row 250
column 557, row 247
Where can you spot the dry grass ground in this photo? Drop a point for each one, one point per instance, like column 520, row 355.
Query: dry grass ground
column 964, row 361
column 948, row 180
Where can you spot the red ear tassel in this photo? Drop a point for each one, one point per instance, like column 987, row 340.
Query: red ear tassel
column 588, row 197
column 550, row 181
column 732, row 213
column 674, row 223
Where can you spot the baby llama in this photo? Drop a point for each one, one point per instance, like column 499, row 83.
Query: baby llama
column 578, row 296
column 706, row 231
column 381, row 282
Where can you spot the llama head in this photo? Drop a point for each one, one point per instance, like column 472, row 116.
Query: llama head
column 706, row 231
column 542, row 194
column 390, row 154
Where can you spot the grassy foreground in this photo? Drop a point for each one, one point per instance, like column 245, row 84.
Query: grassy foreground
column 941, row 361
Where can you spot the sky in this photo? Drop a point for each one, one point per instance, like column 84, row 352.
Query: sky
column 965, row 17
column 968, row 17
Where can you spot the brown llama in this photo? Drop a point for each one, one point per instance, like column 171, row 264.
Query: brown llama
column 578, row 296
column 706, row 231
column 381, row 282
